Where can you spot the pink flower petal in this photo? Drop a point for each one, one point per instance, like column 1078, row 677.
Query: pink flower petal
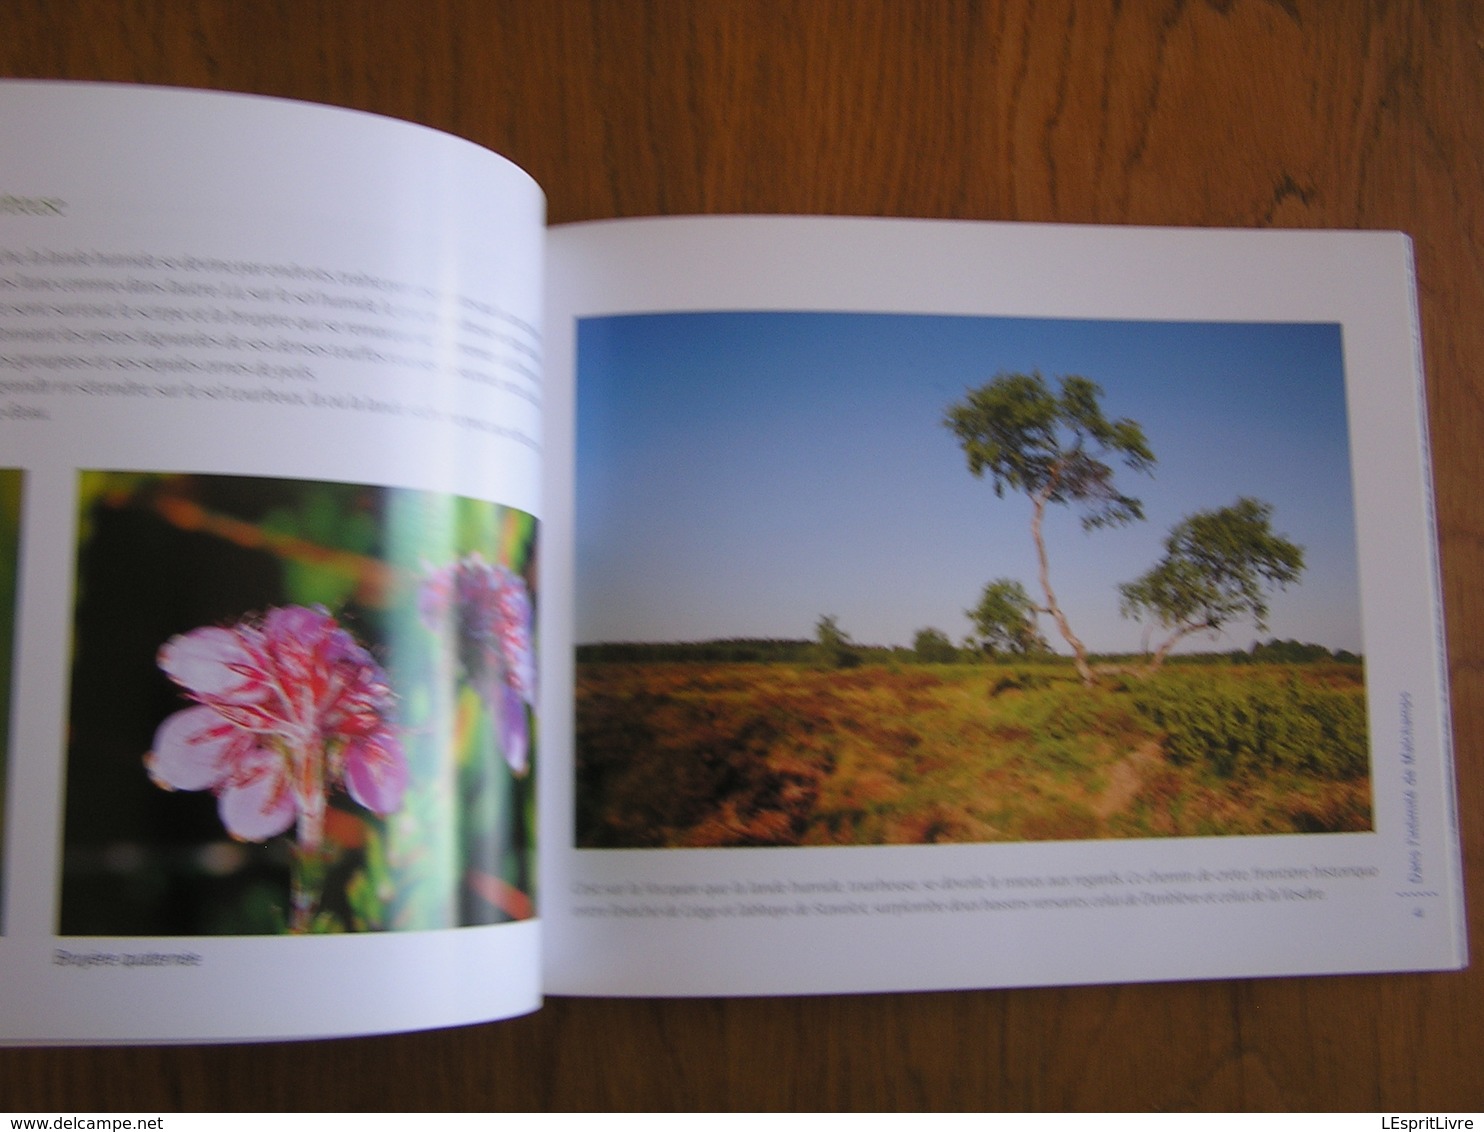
column 215, row 664
column 194, row 749
column 515, row 732
column 376, row 773
column 257, row 803
column 514, row 628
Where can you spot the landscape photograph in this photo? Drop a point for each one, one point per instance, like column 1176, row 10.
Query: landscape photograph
column 870, row 579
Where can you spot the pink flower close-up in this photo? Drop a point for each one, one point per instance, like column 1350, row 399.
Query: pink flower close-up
column 488, row 610
column 287, row 708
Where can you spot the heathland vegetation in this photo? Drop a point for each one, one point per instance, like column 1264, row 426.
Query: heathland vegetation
column 679, row 752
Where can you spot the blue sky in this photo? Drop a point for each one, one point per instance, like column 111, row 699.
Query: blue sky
column 740, row 474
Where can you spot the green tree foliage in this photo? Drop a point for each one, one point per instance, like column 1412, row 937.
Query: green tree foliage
column 932, row 646
column 1052, row 447
column 835, row 647
column 1005, row 620
column 1274, row 651
column 1218, row 566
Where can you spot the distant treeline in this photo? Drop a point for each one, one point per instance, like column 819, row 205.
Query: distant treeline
column 1274, row 651
column 742, row 650
column 753, row 650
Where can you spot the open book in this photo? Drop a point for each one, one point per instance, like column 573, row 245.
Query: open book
column 406, row 611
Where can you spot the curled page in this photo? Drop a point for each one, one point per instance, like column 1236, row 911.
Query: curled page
column 270, row 402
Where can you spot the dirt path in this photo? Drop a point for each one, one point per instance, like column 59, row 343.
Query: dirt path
column 1125, row 779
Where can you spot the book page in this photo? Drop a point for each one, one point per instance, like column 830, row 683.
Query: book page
column 971, row 605
column 270, row 405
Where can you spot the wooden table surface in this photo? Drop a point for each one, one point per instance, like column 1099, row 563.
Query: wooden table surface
column 1280, row 113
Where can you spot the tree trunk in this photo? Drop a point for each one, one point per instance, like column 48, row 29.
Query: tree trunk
column 1164, row 649
column 1079, row 650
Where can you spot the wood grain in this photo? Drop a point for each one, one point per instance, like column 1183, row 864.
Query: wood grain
column 1223, row 112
